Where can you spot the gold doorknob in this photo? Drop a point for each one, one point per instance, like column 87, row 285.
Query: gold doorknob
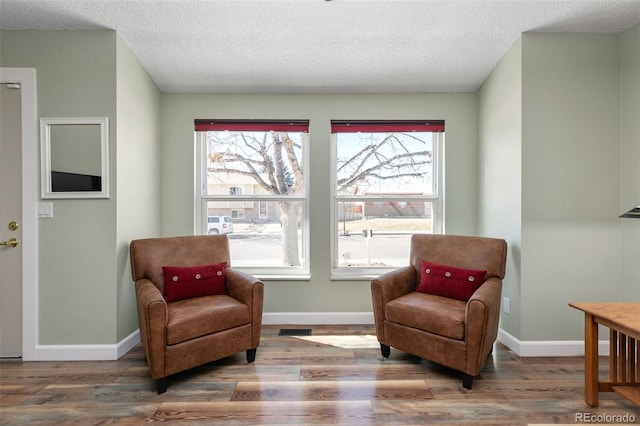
column 11, row 242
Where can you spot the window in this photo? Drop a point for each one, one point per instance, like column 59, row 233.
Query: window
column 387, row 185
column 253, row 173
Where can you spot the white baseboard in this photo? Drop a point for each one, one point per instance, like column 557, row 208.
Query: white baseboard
column 547, row 347
column 86, row 352
column 116, row 351
column 317, row 318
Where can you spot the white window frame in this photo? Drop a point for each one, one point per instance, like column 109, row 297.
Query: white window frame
column 437, row 200
column 202, row 198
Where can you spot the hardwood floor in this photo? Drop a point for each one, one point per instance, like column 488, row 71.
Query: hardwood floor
column 334, row 376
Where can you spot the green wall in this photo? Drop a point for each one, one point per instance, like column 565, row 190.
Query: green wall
column 630, row 160
column 569, row 103
column 500, row 201
column 570, row 180
column 138, row 159
column 85, row 293
column 76, row 76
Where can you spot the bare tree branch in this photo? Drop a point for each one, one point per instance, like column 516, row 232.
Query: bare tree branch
column 251, row 174
column 367, row 151
column 387, row 164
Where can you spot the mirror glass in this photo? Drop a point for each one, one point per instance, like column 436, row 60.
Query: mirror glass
column 74, row 157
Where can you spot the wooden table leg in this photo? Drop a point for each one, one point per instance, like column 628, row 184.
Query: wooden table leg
column 591, row 368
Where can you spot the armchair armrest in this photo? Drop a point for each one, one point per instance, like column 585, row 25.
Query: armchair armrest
column 250, row 291
column 240, row 285
column 394, row 284
column 152, row 316
column 482, row 316
column 387, row 287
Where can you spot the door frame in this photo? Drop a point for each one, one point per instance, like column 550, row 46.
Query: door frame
column 26, row 77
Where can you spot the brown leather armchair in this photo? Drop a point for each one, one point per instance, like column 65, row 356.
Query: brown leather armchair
column 187, row 333
column 455, row 333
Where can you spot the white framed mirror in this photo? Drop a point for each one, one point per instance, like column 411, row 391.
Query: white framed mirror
column 75, row 157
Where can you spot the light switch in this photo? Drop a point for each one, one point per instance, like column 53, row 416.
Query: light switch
column 45, row 210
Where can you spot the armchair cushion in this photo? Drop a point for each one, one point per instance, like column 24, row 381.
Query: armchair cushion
column 449, row 281
column 430, row 313
column 193, row 281
column 200, row 316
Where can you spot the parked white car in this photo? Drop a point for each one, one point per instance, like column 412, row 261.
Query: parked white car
column 219, row 225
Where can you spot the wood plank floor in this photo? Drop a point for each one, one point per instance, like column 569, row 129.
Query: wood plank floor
column 335, row 376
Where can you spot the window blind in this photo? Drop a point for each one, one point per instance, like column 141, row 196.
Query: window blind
column 203, row 125
column 390, row 126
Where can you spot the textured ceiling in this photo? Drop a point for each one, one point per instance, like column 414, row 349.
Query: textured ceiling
column 319, row 46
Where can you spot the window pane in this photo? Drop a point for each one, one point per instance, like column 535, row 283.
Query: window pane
column 267, row 234
column 378, row 233
column 254, row 163
column 384, row 163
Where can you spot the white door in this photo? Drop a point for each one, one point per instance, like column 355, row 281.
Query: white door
column 10, row 226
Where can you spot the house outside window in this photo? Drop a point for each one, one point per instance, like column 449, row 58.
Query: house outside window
column 387, row 185
column 254, row 173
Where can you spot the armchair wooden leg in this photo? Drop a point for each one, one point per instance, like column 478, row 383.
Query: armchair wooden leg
column 161, row 385
column 467, row 381
column 251, row 355
column 386, row 350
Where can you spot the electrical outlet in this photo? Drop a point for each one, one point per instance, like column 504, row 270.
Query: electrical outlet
column 506, row 305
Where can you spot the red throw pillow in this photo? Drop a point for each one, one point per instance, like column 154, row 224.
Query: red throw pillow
column 449, row 281
column 193, row 281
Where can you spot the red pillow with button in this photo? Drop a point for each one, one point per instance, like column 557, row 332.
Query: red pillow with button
column 182, row 282
column 449, row 281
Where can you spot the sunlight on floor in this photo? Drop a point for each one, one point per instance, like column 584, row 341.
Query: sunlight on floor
column 346, row 342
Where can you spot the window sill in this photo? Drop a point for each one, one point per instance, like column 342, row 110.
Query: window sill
column 353, row 277
column 283, row 277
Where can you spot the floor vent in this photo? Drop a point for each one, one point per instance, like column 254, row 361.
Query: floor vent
column 294, row 332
